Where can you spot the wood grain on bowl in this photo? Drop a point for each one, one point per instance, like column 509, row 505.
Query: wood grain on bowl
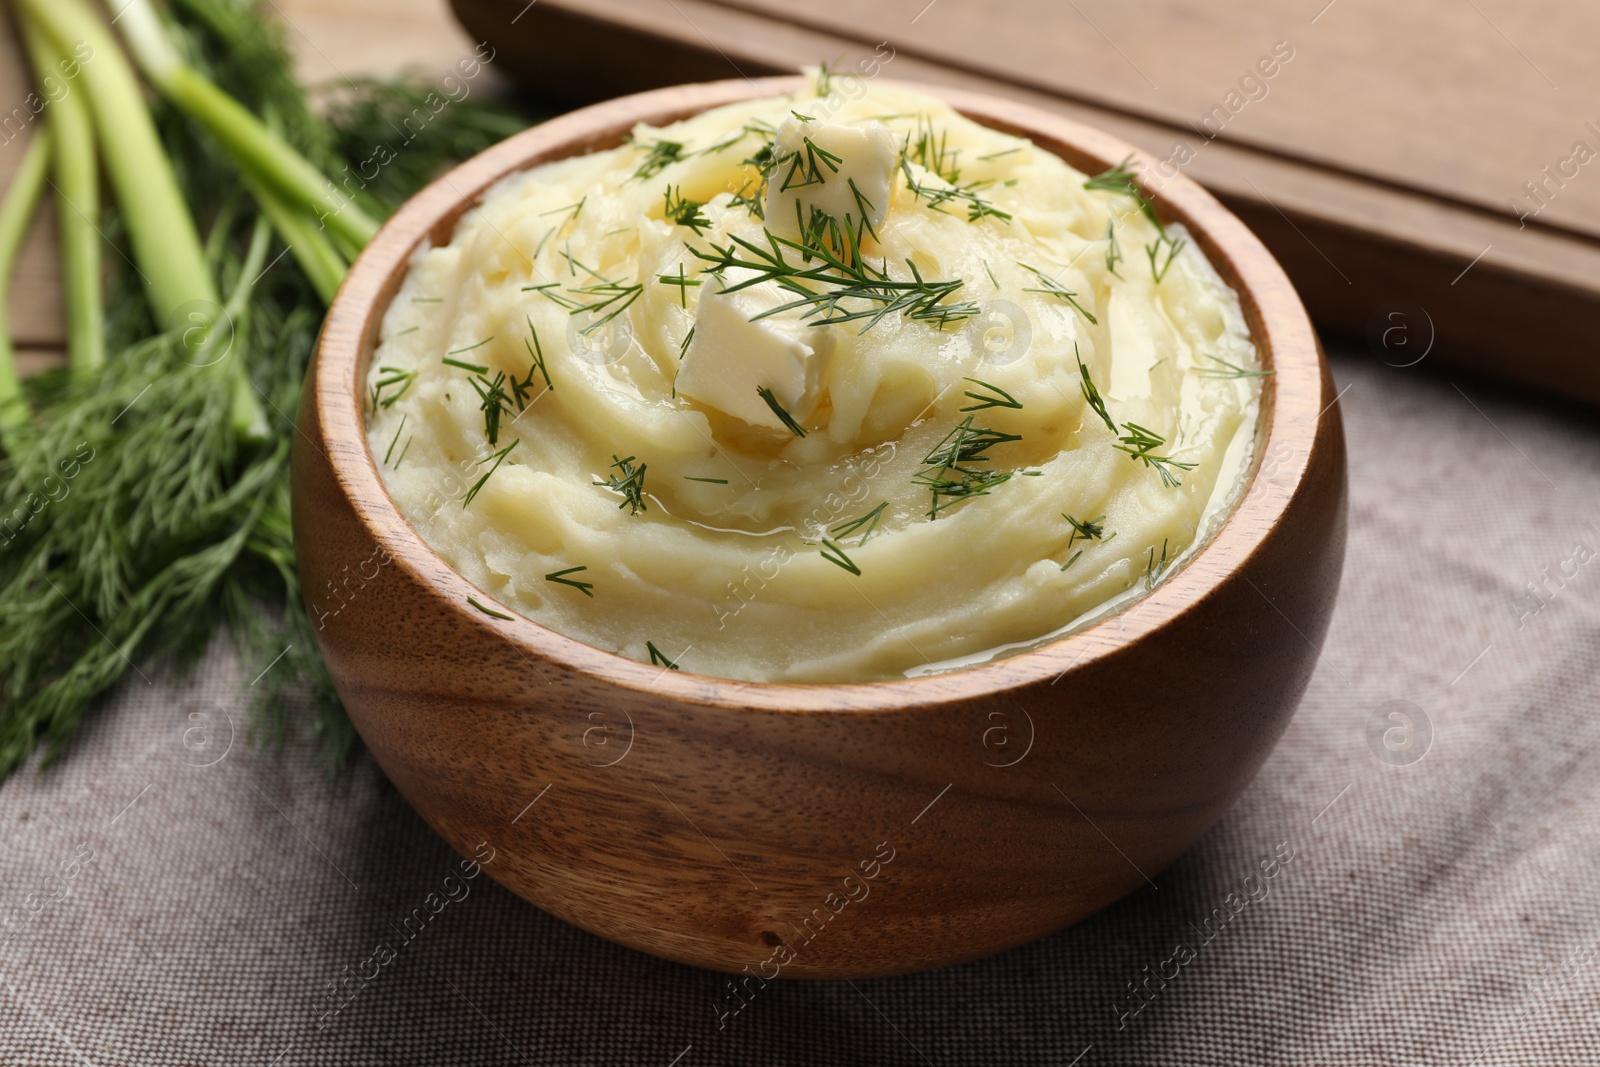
column 838, row 830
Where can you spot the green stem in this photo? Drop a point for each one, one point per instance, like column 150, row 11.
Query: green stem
column 160, row 228
column 166, row 245
column 77, row 184
column 249, row 421
column 16, row 211
column 253, row 146
column 307, row 242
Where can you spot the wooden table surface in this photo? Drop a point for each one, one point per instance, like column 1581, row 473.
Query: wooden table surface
column 331, row 41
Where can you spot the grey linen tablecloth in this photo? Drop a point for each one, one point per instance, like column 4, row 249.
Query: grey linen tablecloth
column 1440, row 906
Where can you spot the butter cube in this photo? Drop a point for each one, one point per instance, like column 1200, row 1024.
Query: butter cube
column 818, row 161
column 731, row 357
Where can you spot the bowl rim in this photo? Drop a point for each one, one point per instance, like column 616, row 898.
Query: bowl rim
column 1291, row 408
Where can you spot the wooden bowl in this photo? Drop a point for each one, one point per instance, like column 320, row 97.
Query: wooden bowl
column 822, row 831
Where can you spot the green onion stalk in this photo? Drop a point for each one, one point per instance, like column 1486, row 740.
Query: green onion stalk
column 16, row 210
column 144, row 493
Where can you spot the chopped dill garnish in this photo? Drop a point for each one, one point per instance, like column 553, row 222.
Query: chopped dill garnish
column 712, row 481
column 403, row 451
column 1152, row 251
column 1091, row 392
column 1073, row 560
column 1113, row 248
column 408, row 329
column 838, row 280
column 1140, row 444
column 1119, row 180
column 391, row 376
column 659, row 155
column 1088, row 529
column 997, row 155
column 824, row 79
column 476, row 368
column 545, row 289
column 866, row 524
column 777, row 409
column 536, row 353
column 765, row 160
column 499, row 458
column 684, row 212
column 948, row 475
column 950, row 487
column 966, row 444
column 390, row 451
column 684, row 348
column 751, row 201
column 931, row 151
column 551, row 232
column 586, row 588
column 1229, row 370
column 493, row 402
column 999, row 399
column 488, row 610
column 1155, row 569
column 469, row 348
column 614, row 296
column 863, row 205
column 629, row 481
column 938, row 196
column 1050, row 287
column 658, row 658
column 835, row 555
column 753, row 126
column 574, row 208
column 990, row 273
column 805, row 164
column 682, row 281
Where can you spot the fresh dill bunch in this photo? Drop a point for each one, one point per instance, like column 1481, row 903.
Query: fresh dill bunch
column 367, row 122
column 174, row 525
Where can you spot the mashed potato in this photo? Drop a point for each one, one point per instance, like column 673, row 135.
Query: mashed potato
column 813, row 389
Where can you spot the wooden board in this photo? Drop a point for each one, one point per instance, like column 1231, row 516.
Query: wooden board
column 1383, row 161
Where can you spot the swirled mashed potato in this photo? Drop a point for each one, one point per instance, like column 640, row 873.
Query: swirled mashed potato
column 813, row 389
